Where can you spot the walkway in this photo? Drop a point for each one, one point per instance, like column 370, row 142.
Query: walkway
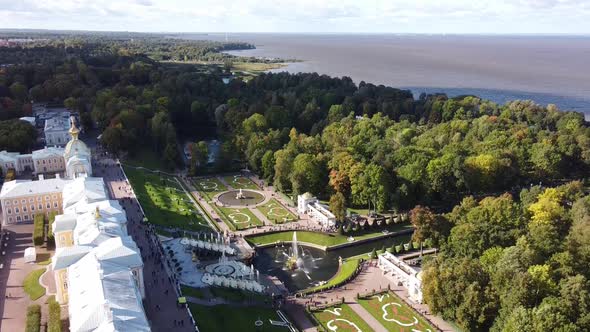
column 13, row 299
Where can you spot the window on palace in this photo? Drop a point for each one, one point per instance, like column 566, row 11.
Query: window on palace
column 40, row 206
column 15, row 202
column 9, row 211
column 24, row 209
column 46, row 198
column 31, row 200
column 23, row 201
column 48, row 205
column 32, row 207
column 9, row 219
column 39, row 199
column 7, row 203
column 16, row 210
column 26, row 217
column 55, row 205
column 17, row 218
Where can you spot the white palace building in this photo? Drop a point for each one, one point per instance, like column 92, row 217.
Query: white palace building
column 97, row 267
column 310, row 205
column 399, row 271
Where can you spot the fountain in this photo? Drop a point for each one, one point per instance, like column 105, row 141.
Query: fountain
column 293, row 260
column 240, row 195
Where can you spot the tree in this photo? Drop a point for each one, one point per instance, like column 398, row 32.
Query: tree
column 338, row 206
column 268, row 163
column 112, row 139
column 306, row 174
column 17, row 136
column 427, row 225
column 18, row 91
column 171, row 155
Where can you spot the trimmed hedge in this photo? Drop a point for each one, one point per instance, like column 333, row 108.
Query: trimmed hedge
column 51, row 220
column 33, row 318
column 54, row 321
column 39, row 230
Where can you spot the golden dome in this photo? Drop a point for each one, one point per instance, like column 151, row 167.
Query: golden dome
column 75, row 147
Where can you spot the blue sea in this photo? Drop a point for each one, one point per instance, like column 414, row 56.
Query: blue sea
column 546, row 69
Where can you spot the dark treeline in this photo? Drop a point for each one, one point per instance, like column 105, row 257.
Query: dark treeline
column 33, row 47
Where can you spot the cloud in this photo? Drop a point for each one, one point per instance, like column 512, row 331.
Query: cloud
column 299, row 15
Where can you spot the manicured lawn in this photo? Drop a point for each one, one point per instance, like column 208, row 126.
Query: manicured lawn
column 32, row 286
column 227, row 318
column 341, row 318
column 276, row 212
column 322, row 239
column 394, row 314
column 193, row 292
column 164, row 201
column 209, row 187
column 345, row 271
column 239, row 218
column 233, row 295
column 240, row 182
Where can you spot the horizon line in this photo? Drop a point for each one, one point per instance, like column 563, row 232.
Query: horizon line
column 572, row 34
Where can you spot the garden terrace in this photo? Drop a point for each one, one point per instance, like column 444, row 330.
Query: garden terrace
column 394, row 314
column 164, row 201
column 276, row 212
column 240, row 182
column 340, row 317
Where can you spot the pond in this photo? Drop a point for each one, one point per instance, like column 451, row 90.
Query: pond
column 319, row 265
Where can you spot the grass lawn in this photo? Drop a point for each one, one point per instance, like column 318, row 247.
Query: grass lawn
column 32, row 286
column 164, row 201
column 345, row 271
column 209, row 187
column 233, row 295
column 240, row 182
column 394, row 314
column 343, row 321
column 147, row 158
column 198, row 293
column 322, row 239
column 276, row 212
column 227, row 318
column 239, row 218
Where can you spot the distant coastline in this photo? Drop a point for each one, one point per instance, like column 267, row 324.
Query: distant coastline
column 545, row 69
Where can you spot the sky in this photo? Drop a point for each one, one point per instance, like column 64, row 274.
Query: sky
column 303, row 16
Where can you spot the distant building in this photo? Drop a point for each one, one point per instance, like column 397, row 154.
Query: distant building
column 19, row 162
column 310, row 205
column 410, row 277
column 49, row 160
column 57, row 131
column 22, row 199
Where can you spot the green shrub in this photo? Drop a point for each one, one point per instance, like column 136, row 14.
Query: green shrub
column 51, row 219
column 416, row 245
column 33, row 318
column 38, row 230
column 54, row 321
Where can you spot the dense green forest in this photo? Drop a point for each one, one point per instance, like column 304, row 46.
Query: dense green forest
column 514, row 253
column 512, row 263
